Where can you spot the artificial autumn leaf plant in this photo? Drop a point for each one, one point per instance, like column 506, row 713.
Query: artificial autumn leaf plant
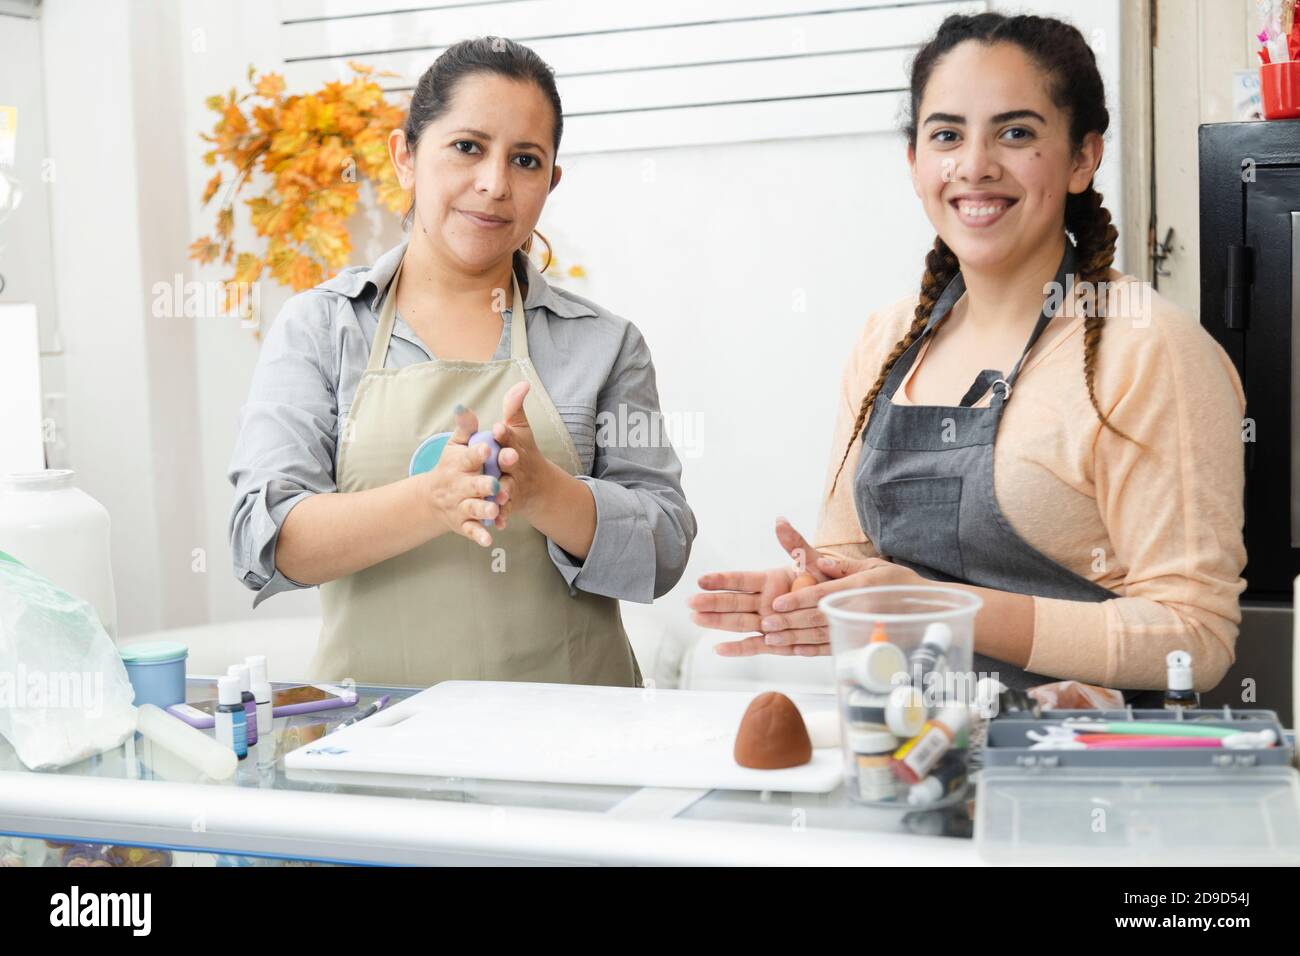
column 314, row 150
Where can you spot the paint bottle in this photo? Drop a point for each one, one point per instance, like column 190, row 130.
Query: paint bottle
column 902, row 711
column 240, row 673
column 875, row 666
column 915, row 759
column 1178, row 693
column 260, row 686
column 231, row 731
column 872, row 752
column 948, row 776
column 930, row 654
column 992, row 697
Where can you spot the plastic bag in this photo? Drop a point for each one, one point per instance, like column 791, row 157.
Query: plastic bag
column 64, row 693
column 1074, row 695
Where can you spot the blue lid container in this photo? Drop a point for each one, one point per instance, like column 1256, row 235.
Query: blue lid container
column 156, row 670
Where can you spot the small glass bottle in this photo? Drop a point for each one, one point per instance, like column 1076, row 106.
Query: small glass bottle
column 1178, row 693
column 230, row 727
column 242, row 674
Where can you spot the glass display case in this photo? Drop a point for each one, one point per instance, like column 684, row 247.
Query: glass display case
column 138, row 805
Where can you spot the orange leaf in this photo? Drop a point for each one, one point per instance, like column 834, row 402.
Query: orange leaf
column 203, row 249
column 234, row 121
column 304, row 274
column 247, row 267
column 270, row 86
column 393, row 196
column 270, row 218
column 211, row 188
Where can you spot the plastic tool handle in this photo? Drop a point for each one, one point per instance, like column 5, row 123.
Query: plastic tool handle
column 1124, row 742
column 490, row 467
column 1149, row 728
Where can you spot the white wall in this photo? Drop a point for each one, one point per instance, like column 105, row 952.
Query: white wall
column 97, row 233
column 750, row 269
column 710, row 250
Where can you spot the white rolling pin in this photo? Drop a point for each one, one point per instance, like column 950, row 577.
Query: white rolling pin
column 823, row 728
column 188, row 743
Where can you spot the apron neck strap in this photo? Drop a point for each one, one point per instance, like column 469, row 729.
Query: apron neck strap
column 1054, row 298
column 953, row 291
column 387, row 311
column 1064, row 282
column 518, row 318
column 944, row 305
column 388, row 314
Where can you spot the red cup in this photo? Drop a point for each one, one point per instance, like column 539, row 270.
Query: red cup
column 1279, row 87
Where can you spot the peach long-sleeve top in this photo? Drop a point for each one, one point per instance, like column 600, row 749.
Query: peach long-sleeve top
column 1161, row 526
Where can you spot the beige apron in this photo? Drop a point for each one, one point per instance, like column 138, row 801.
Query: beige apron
column 451, row 609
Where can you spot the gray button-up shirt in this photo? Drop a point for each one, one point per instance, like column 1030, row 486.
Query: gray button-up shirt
column 595, row 365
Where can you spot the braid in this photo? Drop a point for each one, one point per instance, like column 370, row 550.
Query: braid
column 1095, row 236
column 940, row 267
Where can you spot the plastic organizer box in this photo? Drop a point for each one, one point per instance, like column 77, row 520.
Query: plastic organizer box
column 1137, row 807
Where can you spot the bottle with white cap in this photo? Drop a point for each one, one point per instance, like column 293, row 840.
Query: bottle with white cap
column 260, row 685
column 880, row 665
column 913, row 761
column 1179, row 694
column 873, row 780
column 948, row 776
column 240, row 673
column 230, row 726
column 930, row 654
column 902, row 711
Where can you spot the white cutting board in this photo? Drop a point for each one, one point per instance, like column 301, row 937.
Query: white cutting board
column 566, row 733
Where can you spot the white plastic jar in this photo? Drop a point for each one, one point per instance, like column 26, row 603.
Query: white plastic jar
column 59, row 531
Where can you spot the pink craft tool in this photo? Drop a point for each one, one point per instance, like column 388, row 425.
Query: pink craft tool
column 1112, row 741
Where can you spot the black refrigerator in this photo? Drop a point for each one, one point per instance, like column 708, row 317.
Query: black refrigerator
column 1250, row 303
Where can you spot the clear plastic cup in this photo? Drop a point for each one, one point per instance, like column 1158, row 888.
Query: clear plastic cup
column 906, row 691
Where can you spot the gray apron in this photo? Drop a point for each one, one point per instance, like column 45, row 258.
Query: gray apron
column 925, row 495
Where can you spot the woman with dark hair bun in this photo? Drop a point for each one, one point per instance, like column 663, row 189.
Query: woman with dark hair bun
column 423, row 578
column 1033, row 426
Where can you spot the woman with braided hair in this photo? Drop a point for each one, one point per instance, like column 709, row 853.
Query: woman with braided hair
column 1088, row 484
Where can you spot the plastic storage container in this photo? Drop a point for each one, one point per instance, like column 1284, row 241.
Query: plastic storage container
column 59, row 531
column 1279, row 89
column 905, row 689
column 156, row 670
column 1159, row 806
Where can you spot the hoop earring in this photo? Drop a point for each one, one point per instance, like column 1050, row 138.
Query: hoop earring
column 528, row 246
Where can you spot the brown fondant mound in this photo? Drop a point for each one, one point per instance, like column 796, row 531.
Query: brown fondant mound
column 772, row 734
